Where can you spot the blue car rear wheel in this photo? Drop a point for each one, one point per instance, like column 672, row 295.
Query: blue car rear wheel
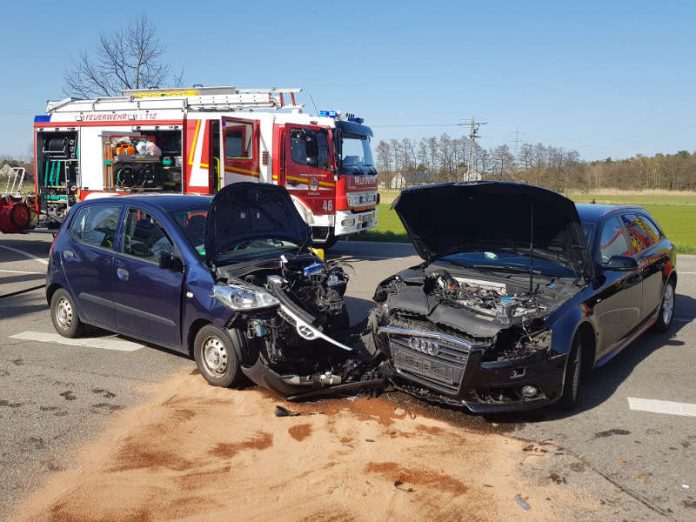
column 64, row 315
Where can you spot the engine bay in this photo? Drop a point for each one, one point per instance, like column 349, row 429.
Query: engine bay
column 499, row 301
column 499, row 311
column 304, row 341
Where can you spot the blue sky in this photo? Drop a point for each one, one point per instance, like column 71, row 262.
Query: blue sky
column 607, row 78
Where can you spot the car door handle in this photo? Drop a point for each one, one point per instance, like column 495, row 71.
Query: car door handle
column 122, row 274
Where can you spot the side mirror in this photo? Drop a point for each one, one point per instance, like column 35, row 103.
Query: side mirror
column 621, row 264
column 169, row 261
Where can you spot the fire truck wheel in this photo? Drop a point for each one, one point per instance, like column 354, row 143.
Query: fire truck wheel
column 64, row 315
column 330, row 241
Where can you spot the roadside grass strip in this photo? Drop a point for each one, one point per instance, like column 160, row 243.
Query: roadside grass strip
column 103, row 343
column 683, row 409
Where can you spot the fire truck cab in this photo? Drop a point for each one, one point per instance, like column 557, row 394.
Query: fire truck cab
column 197, row 140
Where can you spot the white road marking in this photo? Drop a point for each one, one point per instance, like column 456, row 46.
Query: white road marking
column 21, row 272
column 26, row 254
column 668, row 407
column 104, row 343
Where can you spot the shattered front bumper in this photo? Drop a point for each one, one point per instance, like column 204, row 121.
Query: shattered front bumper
column 450, row 369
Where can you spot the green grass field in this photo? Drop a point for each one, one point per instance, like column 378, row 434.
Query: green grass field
column 676, row 213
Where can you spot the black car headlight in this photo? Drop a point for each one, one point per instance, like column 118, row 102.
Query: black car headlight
column 243, row 298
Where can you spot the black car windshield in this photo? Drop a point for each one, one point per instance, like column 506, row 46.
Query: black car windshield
column 356, row 155
column 509, row 260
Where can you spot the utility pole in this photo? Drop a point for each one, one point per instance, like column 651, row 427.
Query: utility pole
column 473, row 135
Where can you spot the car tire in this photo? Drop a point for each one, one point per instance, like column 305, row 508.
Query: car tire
column 570, row 398
column 64, row 315
column 216, row 357
column 666, row 312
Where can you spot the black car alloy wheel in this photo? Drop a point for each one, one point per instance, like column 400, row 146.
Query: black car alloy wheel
column 571, row 384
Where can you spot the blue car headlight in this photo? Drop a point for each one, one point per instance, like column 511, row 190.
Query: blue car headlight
column 243, row 298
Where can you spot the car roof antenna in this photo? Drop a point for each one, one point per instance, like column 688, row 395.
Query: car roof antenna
column 531, row 247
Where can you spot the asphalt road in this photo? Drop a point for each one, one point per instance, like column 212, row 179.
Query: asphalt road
column 52, row 396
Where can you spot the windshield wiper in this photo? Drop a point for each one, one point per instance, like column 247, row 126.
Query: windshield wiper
column 514, row 269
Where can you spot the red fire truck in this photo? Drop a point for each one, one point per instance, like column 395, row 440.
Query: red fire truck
column 196, row 140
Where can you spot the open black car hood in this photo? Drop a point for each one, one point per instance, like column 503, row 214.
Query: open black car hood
column 487, row 215
column 248, row 211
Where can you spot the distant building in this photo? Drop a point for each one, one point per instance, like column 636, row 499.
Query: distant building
column 5, row 171
column 397, row 182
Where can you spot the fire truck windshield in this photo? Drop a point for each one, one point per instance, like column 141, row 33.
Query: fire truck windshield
column 356, row 155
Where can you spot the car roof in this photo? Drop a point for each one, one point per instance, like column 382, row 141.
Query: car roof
column 166, row 202
column 593, row 213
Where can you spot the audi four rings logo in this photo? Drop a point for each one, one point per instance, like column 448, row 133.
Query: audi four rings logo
column 424, row 345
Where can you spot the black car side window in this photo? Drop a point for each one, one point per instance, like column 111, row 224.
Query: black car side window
column 613, row 240
column 144, row 236
column 640, row 235
column 99, row 228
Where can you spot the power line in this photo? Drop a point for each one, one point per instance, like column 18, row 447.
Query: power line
column 416, row 125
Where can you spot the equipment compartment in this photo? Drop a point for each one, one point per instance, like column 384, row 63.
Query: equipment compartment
column 57, row 173
column 143, row 162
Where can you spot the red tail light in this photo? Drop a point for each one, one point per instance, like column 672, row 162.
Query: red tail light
column 53, row 243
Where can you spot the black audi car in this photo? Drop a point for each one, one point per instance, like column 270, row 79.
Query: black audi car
column 520, row 292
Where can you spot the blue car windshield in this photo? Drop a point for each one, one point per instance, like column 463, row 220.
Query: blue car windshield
column 192, row 224
column 510, row 260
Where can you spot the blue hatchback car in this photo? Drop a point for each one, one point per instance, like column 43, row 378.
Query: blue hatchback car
column 229, row 280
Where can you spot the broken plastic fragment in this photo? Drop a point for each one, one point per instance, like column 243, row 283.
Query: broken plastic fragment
column 280, row 411
column 398, row 485
column 522, row 502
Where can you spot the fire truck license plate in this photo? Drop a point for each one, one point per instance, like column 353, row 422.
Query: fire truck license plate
column 367, row 217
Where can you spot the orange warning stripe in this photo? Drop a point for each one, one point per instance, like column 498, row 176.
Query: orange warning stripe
column 193, row 142
column 305, row 181
column 243, row 172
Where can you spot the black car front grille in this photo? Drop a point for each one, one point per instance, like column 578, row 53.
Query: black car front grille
column 430, row 358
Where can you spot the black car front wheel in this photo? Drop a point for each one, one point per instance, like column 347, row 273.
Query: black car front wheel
column 571, row 384
column 666, row 313
column 216, row 357
column 64, row 315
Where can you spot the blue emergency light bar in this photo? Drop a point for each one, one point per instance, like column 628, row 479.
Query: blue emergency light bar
column 328, row 114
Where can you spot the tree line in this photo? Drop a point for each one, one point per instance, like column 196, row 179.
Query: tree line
column 440, row 159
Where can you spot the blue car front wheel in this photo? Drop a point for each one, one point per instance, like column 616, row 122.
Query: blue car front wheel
column 216, row 357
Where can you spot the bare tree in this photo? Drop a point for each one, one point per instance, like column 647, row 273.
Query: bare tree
column 130, row 58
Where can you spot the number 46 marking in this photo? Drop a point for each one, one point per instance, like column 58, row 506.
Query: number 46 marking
column 327, row 205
